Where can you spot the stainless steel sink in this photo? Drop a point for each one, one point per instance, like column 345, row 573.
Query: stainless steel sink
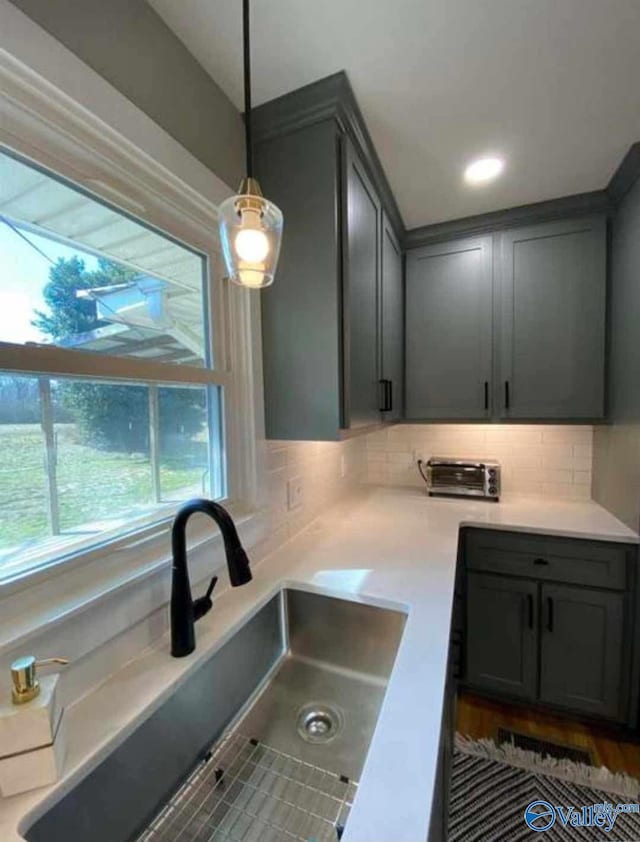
column 266, row 741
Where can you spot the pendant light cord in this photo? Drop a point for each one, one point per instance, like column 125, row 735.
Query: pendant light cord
column 246, row 43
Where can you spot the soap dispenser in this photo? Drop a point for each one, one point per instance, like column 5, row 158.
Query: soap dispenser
column 32, row 735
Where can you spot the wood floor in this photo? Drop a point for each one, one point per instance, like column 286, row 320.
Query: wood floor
column 478, row 718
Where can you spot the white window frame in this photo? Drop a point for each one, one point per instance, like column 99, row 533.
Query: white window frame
column 62, row 115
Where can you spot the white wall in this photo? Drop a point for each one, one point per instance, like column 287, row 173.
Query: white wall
column 554, row 460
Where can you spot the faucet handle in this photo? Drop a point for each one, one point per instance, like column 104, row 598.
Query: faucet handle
column 212, row 585
column 203, row 604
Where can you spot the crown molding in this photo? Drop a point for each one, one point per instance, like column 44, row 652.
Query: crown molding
column 328, row 98
column 333, row 98
column 581, row 204
column 626, row 175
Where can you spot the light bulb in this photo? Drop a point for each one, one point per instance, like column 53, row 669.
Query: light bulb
column 251, row 243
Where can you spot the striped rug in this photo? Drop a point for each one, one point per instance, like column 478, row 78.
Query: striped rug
column 492, row 786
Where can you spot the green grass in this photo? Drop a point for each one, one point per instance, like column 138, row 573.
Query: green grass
column 93, row 485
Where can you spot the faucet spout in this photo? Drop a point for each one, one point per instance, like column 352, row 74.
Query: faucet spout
column 184, row 610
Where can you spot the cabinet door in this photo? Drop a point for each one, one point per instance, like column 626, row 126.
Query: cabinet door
column 361, row 274
column 502, row 637
column 392, row 320
column 301, row 312
column 552, row 336
column 448, row 330
column 581, row 649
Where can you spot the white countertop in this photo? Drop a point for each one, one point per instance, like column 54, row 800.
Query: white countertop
column 393, row 547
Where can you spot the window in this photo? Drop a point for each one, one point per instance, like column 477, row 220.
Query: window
column 111, row 406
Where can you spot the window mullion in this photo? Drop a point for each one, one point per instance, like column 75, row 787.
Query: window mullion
column 154, row 442
column 51, row 458
column 39, row 359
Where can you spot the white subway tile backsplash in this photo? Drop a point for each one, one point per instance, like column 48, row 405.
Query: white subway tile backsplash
column 554, row 460
column 550, row 459
column 328, row 470
column 582, row 451
column 276, row 459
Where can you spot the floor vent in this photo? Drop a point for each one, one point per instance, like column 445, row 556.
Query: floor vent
column 544, row 747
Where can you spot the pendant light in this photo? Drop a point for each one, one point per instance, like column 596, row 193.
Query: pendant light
column 250, row 225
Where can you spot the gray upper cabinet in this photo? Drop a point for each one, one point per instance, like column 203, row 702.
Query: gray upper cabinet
column 360, row 289
column 581, row 649
column 301, row 312
column 337, row 294
column 448, row 330
column 392, row 319
column 508, row 325
column 552, row 290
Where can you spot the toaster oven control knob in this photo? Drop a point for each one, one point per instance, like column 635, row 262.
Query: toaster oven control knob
column 492, row 472
column 493, row 489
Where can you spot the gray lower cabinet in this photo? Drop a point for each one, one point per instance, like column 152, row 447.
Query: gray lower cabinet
column 448, row 330
column 549, row 620
column 392, row 324
column 502, row 636
column 552, row 298
column 581, row 649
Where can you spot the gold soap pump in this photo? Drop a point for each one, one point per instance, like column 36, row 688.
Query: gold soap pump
column 25, row 681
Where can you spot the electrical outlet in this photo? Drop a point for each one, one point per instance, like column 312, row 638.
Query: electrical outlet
column 295, row 493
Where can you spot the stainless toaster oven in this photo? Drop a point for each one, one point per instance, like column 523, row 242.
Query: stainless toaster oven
column 461, row 477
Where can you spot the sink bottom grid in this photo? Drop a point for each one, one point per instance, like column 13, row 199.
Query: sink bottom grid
column 246, row 791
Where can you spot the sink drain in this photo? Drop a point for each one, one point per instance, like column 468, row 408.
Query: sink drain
column 319, row 722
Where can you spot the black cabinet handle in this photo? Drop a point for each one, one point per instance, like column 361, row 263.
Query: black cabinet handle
column 506, row 394
column 530, row 606
column 383, row 401
column 387, row 395
column 549, row 614
column 486, row 395
column 541, row 562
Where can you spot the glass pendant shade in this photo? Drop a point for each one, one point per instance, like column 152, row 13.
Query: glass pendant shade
column 250, row 232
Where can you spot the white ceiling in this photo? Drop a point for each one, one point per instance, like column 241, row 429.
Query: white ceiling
column 551, row 85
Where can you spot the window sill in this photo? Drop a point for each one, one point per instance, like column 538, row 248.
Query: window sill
column 45, row 599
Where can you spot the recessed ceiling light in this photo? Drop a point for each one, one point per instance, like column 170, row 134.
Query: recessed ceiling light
column 483, row 170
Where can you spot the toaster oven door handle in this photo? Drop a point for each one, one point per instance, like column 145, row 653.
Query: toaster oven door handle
column 425, row 471
column 467, row 466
